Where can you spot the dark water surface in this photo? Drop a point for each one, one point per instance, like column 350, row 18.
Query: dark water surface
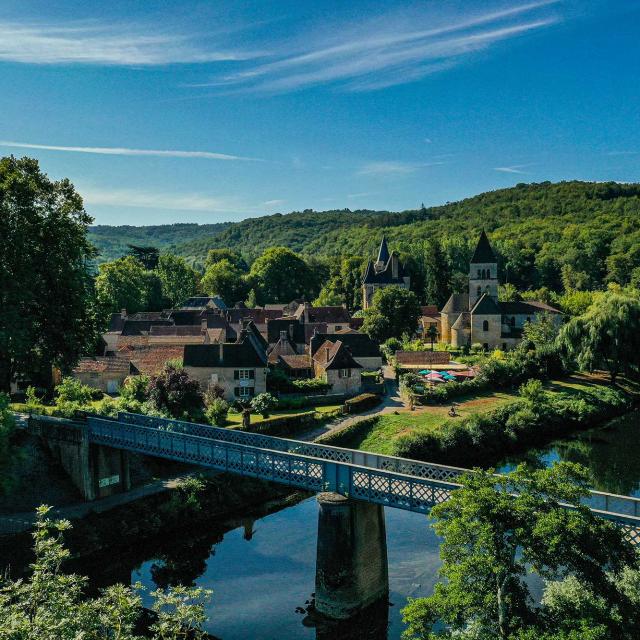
column 611, row 453
column 258, row 583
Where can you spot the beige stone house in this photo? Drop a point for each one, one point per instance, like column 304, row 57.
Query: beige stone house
column 333, row 362
column 239, row 368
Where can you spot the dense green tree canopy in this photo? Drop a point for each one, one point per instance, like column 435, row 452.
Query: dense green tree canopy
column 394, row 312
column 178, row 280
column 280, row 275
column 224, row 279
column 123, row 284
column 607, row 335
column 45, row 289
column 495, row 532
column 217, row 255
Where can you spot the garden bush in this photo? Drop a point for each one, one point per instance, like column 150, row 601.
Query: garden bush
column 362, row 402
column 217, row 411
column 263, row 403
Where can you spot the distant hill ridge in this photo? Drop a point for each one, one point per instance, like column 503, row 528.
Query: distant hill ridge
column 527, row 213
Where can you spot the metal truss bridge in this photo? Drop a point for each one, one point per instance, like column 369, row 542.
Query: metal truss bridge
column 386, row 480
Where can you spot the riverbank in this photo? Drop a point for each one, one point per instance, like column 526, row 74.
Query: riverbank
column 490, row 426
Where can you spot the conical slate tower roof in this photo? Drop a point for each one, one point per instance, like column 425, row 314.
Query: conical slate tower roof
column 484, row 252
column 383, row 251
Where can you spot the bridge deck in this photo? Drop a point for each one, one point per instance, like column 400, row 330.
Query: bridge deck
column 395, row 482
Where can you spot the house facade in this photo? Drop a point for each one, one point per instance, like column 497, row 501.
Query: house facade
column 334, row 363
column 478, row 317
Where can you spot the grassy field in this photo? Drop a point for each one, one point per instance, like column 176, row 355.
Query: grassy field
column 382, row 436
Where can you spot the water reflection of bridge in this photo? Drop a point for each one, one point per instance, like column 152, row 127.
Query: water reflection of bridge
column 352, row 486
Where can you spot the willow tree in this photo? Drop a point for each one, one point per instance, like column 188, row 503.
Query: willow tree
column 606, row 336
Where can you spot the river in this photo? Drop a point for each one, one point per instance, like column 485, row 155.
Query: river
column 262, row 569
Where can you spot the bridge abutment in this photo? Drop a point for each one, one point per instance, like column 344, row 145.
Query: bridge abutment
column 97, row 471
column 351, row 565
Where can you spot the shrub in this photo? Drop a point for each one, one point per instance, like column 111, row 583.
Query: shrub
column 362, row 402
column 310, row 384
column 217, row 411
column 72, row 390
column 135, row 388
column 263, row 403
column 174, row 392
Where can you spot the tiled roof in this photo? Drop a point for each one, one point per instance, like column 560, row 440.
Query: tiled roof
column 258, row 315
column 151, row 359
column 201, row 302
column 296, row 361
column 360, row 344
column 430, row 310
column 125, row 343
column 335, row 355
column 215, row 335
column 103, row 364
column 483, row 253
column 284, row 347
column 174, row 330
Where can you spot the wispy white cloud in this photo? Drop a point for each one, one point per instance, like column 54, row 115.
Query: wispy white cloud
column 273, row 203
column 393, row 167
column 515, row 168
column 391, row 49
column 125, row 151
column 94, row 195
column 364, row 194
column 109, row 44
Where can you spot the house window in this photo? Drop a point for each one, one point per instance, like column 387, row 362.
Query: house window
column 244, row 374
column 244, row 392
column 485, row 325
column 479, row 274
column 344, row 373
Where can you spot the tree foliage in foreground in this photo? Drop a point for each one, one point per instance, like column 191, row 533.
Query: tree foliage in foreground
column 496, row 531
column 45, row 289
column 607, row 336
column 52, row 605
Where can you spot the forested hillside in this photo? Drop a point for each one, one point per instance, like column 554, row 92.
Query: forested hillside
column 568, row 234
column 112, row 242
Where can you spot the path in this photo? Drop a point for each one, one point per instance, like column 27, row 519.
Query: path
column 391, row 402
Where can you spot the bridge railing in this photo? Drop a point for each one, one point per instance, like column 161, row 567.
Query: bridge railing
column 383, row 487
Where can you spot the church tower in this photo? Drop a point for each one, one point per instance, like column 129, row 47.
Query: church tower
column 483, row 272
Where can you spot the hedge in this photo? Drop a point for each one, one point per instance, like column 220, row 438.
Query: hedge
column 280, row 425
column 348, row 436
column 361, row 403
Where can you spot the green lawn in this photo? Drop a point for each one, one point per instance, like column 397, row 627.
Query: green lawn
column 383, row 434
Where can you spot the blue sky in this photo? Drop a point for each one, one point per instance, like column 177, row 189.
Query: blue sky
column 178, row 111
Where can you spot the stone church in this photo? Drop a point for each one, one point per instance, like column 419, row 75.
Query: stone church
column 478, row 317
column 385, row 271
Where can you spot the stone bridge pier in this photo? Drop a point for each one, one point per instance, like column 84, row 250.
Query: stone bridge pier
column 351, row 564
column 97, row 471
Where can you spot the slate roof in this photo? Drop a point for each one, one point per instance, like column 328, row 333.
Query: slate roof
column 294, row 328
column 385, row 275
column 383, row 251
column 328, row 314
column 483, row 253
column 174, row 330
column 457, row 303
column 284, row 347
column 140, row 327
column 463, row 321
column 235, row 355
column 359, row 344
column 202, row 302
column 528, row 307
column 258, row 315
column 486, row 306
column 335, row 355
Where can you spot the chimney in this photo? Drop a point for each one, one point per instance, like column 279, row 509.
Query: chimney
column 221, row 349
column 394, row 265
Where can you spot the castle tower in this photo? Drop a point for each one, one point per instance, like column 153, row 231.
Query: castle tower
column 483, row 272
column 385, row 271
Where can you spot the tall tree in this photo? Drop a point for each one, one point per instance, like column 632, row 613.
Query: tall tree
column 179, row 281
column 437, row 273
column 148, row 256
column 122, row 284
column 280, row 275
column 45, row 287
column 495, row 532
column 394, row 312
column 217, row 255
column 224, row 279
column 607, row 336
